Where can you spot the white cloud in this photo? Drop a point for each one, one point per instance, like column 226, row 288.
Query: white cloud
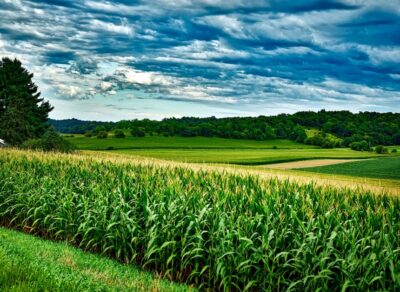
column 108, row 7
column 202, row 93
column 229, row 24
column 382, row 54
column 69, row 90
column 106, row 86
column 128, row 75
column 123, row 28
column 203, row 50
column 277, row 27
column 171, row 41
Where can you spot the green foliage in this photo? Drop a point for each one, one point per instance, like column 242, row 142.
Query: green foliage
column 188, row 133
column 269, row 134
column 102, row 135
column 321, row 140
column 89, row 134
column 137, row 132
column 99, row 129
column 119, row 134
column 396, row 138
column 51, row 141
column 33, row 144
column 299, row 134
column 360, row 146
column 394, row 150
column 375, row 128
column 28, row 263
column 23, row 114
column 381, row 149
column 215, row 231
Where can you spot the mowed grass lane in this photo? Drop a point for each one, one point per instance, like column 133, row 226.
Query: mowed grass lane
column 387, row 168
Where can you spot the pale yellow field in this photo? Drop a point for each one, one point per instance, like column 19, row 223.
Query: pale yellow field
column 308, row 163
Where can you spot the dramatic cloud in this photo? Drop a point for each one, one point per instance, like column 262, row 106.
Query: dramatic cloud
column 151, row 59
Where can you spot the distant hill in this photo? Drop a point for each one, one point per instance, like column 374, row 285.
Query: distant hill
column 74, row 126
column 375, row 128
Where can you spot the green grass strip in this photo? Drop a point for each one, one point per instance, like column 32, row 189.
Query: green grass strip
column 28, row 263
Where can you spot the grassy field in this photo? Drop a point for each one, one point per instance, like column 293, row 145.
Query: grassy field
column 28, row 263
column 215, row 150
column 159, row 142
column 213, row 230
column 247, row 156
column 388, row 168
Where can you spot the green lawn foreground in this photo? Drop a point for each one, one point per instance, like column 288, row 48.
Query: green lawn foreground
column 28, row 263
column 387, row 168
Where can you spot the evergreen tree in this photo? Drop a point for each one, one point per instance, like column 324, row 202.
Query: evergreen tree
column 23, row 114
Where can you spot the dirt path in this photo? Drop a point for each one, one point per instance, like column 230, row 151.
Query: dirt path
column 307, row 163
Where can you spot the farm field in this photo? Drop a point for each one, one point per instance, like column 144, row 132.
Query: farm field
column 264, row 171
column 205, row 228
column 247, row 156
column 217, row 146
column 28, row 263
column 160, row 142
column 308, row 163
column 387, row 168
column 215, row 150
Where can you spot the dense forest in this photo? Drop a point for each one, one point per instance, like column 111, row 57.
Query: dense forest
column 334, row 128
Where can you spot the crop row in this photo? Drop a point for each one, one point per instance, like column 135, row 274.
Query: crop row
column 211, row 230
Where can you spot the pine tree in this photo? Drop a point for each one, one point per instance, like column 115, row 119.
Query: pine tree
column 23, row 114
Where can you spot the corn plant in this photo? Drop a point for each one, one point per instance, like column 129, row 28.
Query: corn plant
column 216, row 231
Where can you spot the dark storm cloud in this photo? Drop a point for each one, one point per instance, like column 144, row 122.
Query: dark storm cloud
column 237, row 52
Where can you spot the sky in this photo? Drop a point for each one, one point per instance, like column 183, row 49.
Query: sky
column 134, row 59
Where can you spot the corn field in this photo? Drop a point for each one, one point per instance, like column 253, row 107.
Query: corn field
column 212, row 230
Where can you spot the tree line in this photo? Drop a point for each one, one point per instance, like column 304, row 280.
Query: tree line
column 372, row 127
